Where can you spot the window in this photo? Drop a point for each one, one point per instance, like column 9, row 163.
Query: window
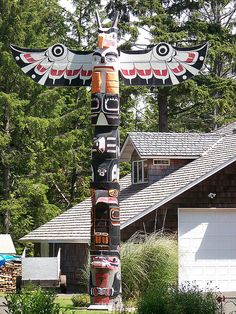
column 161, row 162
column 140, row 171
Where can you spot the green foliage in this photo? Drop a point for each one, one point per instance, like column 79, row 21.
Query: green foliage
column 163, row 299
column 45, row 133
column 36, row 301
column 80, row 300
column 148, row 262
column 207, row 100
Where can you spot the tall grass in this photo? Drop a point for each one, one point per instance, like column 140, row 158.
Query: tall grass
column 148, row 262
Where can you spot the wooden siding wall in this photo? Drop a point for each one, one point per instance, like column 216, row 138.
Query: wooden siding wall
column 223, row 184
column 156, row 172
column 74, row 258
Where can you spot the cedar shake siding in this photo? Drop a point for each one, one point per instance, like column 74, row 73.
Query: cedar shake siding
column 223, row 184
column 74, row 257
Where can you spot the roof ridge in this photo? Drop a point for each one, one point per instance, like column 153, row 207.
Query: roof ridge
column 213, row 146
column 175, row 133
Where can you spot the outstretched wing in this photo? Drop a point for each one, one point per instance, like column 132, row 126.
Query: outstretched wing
column 161, row 65
column 55, row 66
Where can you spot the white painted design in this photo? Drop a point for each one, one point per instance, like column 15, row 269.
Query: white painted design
column 102, row 120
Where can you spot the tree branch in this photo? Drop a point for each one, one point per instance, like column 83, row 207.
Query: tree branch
column 62, row 194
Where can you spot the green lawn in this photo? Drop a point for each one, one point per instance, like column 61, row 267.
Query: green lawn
column 66, row 303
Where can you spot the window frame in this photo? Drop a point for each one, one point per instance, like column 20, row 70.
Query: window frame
column 136, row 163
column 166, row 163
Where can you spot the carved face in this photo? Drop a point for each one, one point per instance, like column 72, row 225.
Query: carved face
column 108, row 262
column 105, row 171
column 106, row 143
column 105, row 109
column 107, row 37
column 105, row 60
column 102, row 197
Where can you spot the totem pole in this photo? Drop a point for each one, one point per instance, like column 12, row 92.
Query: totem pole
column 161, row 65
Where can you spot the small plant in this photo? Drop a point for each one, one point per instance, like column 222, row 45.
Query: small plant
column 80, row 300
column 28, row 301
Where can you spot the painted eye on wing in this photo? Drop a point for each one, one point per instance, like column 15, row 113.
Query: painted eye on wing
column 57, row 52
column 163, row 52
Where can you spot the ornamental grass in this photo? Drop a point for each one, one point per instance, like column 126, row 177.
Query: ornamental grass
column 148, row 261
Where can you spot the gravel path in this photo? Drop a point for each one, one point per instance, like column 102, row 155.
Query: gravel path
column 3, row 308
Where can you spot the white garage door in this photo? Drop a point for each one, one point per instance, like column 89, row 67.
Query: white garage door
column 207, row 247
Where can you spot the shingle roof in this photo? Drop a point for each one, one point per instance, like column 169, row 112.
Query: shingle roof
column 155, row 144
column 71, row 226
column 227, row 129
column 138, row 200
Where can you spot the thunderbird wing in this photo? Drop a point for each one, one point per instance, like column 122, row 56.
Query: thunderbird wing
column 55, row 66
column 161, row 65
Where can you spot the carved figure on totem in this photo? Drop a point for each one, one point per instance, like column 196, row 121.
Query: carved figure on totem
column 160, row 65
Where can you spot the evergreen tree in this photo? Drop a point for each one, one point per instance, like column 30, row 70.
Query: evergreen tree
column 44, row 136
column 207, row 100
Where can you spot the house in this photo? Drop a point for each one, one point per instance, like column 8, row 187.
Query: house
column 169, row 171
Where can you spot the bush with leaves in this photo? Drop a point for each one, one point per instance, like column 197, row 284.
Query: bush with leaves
column 163, row 299
column 32, row 301
column 80, row 300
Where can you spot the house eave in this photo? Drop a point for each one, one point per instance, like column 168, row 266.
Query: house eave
column 128, row 141
column 169, row 156
column 43, row 240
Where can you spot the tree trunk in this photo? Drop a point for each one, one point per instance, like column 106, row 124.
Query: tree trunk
column 162, row 99
column 73, row 182
column 6, row 173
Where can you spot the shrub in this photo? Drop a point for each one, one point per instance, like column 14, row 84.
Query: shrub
column 29, row 301
column 146, row 263
column 80, row 300
column 183, row 300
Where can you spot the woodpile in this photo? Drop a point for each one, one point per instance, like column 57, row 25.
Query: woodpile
column 8, row 274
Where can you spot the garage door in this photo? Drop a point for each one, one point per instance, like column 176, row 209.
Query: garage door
column 207, row 248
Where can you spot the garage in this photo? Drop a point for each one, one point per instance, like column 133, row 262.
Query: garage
column 207, row 247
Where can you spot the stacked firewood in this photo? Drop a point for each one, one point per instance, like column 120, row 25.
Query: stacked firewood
column 8, row 274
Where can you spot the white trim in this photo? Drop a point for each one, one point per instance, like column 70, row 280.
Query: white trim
column 124, row 146
column 203, row 209
column 177, row 193
column 137, row 169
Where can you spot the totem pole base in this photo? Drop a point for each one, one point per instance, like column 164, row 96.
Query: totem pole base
column 116, row 306
column 98, row 307
column 104, row 307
